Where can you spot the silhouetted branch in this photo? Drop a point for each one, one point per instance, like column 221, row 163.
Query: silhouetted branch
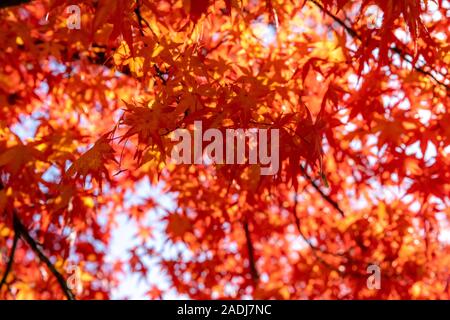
column 316, row 249
column 10, row 260
column 11, row 3
column 327, row 198
column 352, row 32
column 251, row 254
column 23, row 232
column 141, row 19
column 312, row 246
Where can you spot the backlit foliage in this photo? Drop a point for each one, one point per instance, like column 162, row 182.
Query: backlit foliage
column 358, row 89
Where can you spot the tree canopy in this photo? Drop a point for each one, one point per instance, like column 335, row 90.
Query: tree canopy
column 358, row 89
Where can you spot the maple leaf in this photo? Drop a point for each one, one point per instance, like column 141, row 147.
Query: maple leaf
column 358, row 91
column 93, row 162
column 17, row 157
column 196, row 8
column 178, row 226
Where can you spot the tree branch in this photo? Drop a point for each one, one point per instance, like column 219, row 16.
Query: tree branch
column 327, row 198
column 251, row 254
column 141, row 19
column 19, row 230
column 405, row 56
column 315, row 249
column 11, row 3
column 10, row 260
column 312, row 246
column 23, row 232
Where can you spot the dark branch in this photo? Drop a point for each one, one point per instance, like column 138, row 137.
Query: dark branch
column 11, row 259
column 11, row 3
column 315, row 249
column 327, row 198
column 251, row 254
column 23, row 232
column 299, row 229
column 352, row 32
column 141, row 19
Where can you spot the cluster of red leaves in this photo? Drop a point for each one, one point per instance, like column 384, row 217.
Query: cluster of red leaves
column 358, row 89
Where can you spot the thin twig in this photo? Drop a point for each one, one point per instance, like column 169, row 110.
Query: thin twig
column 327, row 198
column 141, row 19
column 23, row 232
column 310, row 244
column 315, row 249
column 406, row 56
column 312, row 247
column 11, row 259
column 251, row 253
column 11, row 3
